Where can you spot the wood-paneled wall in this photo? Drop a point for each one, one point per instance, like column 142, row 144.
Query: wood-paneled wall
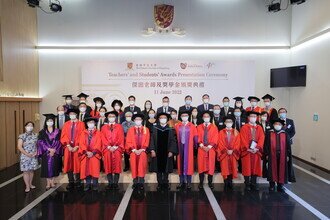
column 19, row 69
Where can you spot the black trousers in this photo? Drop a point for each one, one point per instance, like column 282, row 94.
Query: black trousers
column 162, row 178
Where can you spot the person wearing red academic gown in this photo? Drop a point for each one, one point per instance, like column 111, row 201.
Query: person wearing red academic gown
column 137, row 142
column 278, row 157
column 90, row 146
column 254, row 105
column 228, row 151
column 252, row 142
column 187, row 138
column 207, row 148
column 99, row 103
column 70, row 140
column 113, row 141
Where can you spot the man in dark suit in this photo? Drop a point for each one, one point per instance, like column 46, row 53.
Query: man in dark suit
column 187, row 106
column 289, row 123
column 240, row 120
column 206, row 106
column 132, row 107
column 165, row 108
column 217, row 117
column 61, row 117
column 83, row 113
column 226, row 110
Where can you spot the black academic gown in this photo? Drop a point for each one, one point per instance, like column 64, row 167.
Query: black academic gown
column 268, row 159
column 163, row 140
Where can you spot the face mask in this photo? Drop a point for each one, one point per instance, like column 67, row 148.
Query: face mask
column 277, row 127
column 226, row 104
column 68, row 101
column 117, row 107
column 138, row 122
column 102, row 114
column 128, row 118
column 238, row 104
column 194, row 113
column 148, row 106
column 184, row 118
column 253, row 120
column 111, row 119
column 188, row 102
column 82, row 109
column 173, row 116
column 206, row 120
column 254, row 104
column 283, row 115
column 165, row 104
column 73, row 117
column 28, row 128
column 206, row 101
column 131, row 102
column 267, row 104
column 229, row 125
column 217, row 111
column 90, row 125
column 151, row 115
column 60, row 112
column 264, row 118
column 99, row 105
column 82, row 101
column 49, row 123
column 163, row 120
column 237, row 114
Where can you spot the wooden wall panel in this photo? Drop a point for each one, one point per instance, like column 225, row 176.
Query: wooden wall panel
column 12, row 132
column 3, row 135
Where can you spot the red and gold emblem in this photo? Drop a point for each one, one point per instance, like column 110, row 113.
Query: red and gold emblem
column 163, row 15
column 130, row 65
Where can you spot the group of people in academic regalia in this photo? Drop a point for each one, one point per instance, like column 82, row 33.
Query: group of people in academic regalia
column 255, row 141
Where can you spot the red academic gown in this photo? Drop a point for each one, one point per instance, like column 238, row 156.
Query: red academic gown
column 112, row 135
column 251, row 163
column 206, row 160
column 228, row 162
column 95, row 114
column 90, row 166
column 256, row 109
column 71, row 160
column 137, row 138
column 192, row 140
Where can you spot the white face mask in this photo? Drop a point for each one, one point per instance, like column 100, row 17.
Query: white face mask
column 174, row 116
column 73, row 116
column 254, row 104
column 117, row 107
column 128, row 118
column 138, row 122
column 237, row 114
column 111, row 119
column 131, row 102
column 82, row 109
column 216, row 111
column 264, row 118
column 29, row 128
column 253, row 119
column 163, row 121
column 188, row 102
column 60, row 113
column 277, row 127
column 206, row 120
column 151, row 115
column 229, row 125
column 184, row 118
column 148, row 106
column 194, row 113
column 165, row 104
column 102, row 114
column 82, row 101
column 49, row 123
column 283, row 115
column 68, row 101
column 90, row 126
column 99, row 105
column 226, row 104
column 267, row 104
column 238, row 104
column 206, row 101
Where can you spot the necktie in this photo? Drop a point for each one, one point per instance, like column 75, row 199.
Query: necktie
column 253, row 133
column 228, row 137
column 73, row 125
column 238, row 123
column 205, row 139
column 132, row 109
column 183, row 135
column 89, row 138
column 111, row 127
column 61, row 122
column 139, row 138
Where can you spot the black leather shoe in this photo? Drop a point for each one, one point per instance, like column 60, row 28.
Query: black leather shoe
column 126, row 169
column 70, row 186
column 95, row 188
column 188, row 185
column 141, row 187
column 180, row 186
column 271, row 189
column 87, row 187
column 211, row 185
column 115, row 186
column 280, row 188
column 255, row 187
column 200, row 186
column 247, row 187
column 109, row 186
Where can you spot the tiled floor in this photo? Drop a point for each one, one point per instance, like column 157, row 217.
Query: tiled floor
column 167, row 204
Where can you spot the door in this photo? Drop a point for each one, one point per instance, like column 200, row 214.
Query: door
column 12, row 131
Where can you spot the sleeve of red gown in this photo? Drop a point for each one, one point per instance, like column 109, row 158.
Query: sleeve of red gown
column 64, row 135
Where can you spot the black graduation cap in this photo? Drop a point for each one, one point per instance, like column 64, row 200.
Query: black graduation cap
column 253, row 97
column 267, row 96
column 82, row 95
column 90, row 119
column 49, row 116
column 138, row 116
column 252, row 113
column 164, row 113
column 73, row 110
column 278, row 120
column 228, row 117
column 111, row 112
column 238, row 98
column 116, row 101
column 96, row 99
column 67, row 96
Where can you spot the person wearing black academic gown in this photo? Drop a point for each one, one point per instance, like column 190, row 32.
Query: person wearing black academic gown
column 163, row 146
column 117, row 105
column 239, row 104
column 272, row 112
column 68, row 103
column 61, row 117
column 277, row 156
column 83, row 99
column 187, row 106
column 132, row 107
